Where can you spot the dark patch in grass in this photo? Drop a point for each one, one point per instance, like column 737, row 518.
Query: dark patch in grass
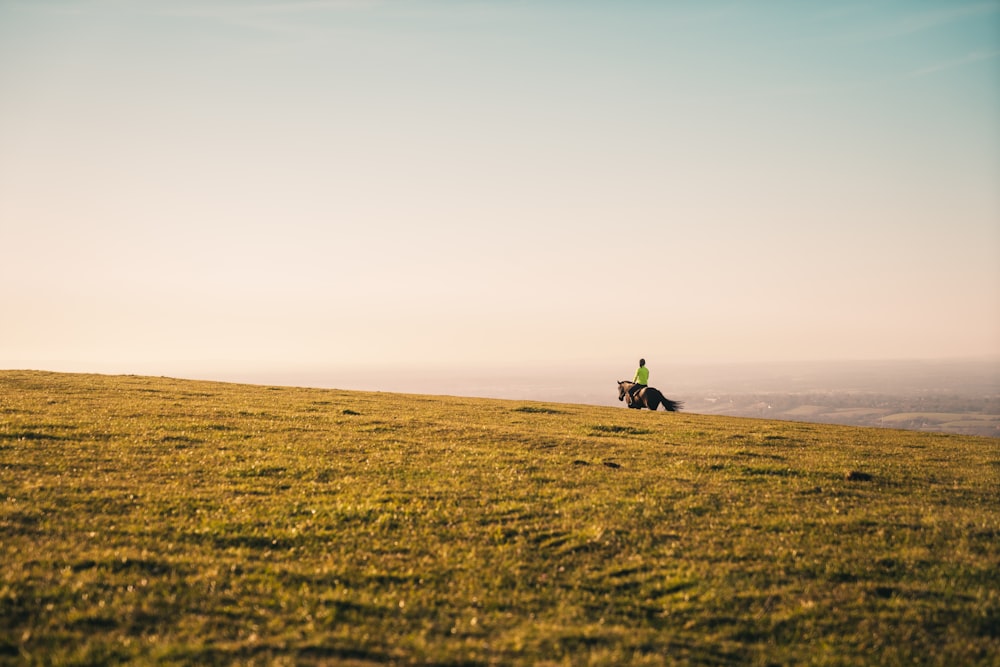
column 888, row 565
column 30, row 435
column 327, row 475
column 621, row 581
column 625, row 572
column 83, row 565
column 550, row 539
column 219, row 427
column 580, row 462
column 540, row 443
column 388, row 578
column 748, row 454
column 267, row 471
column 612, row 464
column 348, row 655
column 381, row 428
column 857, row 476
column 46, row 426
column 21, row 523
column 677, row 587
column 769, row 472
column 987, row 535
column 348, row 411
column 181, row 440
column 513, row 515
column 95, row 623
column 988, row 625
column 601, row 429
column 576, row 642
column 535, row 410
column 145, row 565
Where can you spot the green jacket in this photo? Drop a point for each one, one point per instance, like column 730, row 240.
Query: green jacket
column 641, row 375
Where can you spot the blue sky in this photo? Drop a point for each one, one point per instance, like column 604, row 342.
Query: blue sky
column 496, row 184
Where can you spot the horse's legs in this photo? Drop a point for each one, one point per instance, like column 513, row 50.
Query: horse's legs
column 640, row 399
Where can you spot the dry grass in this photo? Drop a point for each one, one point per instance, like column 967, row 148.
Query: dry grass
column 167, row 521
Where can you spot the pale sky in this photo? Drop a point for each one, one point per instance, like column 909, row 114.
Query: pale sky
column 496, row 183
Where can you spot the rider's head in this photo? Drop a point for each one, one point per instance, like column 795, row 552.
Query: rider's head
column 642, row 362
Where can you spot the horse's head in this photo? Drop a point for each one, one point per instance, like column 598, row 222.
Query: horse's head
column 621, row 390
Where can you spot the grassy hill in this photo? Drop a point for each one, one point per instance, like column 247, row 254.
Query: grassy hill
column 168, row 521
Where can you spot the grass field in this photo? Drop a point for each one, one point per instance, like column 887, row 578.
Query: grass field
column 175, row 522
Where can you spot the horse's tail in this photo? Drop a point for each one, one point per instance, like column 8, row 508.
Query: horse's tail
column 668, row 405
column 671, row 406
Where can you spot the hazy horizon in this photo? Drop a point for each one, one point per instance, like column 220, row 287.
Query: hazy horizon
column 595, row 383
column 494, row 185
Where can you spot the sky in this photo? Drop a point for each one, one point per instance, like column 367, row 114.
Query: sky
column 392, row 184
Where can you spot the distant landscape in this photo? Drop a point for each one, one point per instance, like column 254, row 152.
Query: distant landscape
column 949, row 396
column 954, row 396
column 943, row 412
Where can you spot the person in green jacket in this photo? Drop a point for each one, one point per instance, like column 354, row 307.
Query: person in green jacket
column 641, row 379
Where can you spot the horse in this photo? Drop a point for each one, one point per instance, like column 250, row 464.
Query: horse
column 647, row 397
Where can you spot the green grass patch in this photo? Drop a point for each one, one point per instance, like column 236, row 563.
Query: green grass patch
column 162, row 521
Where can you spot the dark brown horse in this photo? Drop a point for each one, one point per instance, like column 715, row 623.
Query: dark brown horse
column 646, row 397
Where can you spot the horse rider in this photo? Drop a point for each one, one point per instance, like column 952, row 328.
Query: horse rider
column 641, row 379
